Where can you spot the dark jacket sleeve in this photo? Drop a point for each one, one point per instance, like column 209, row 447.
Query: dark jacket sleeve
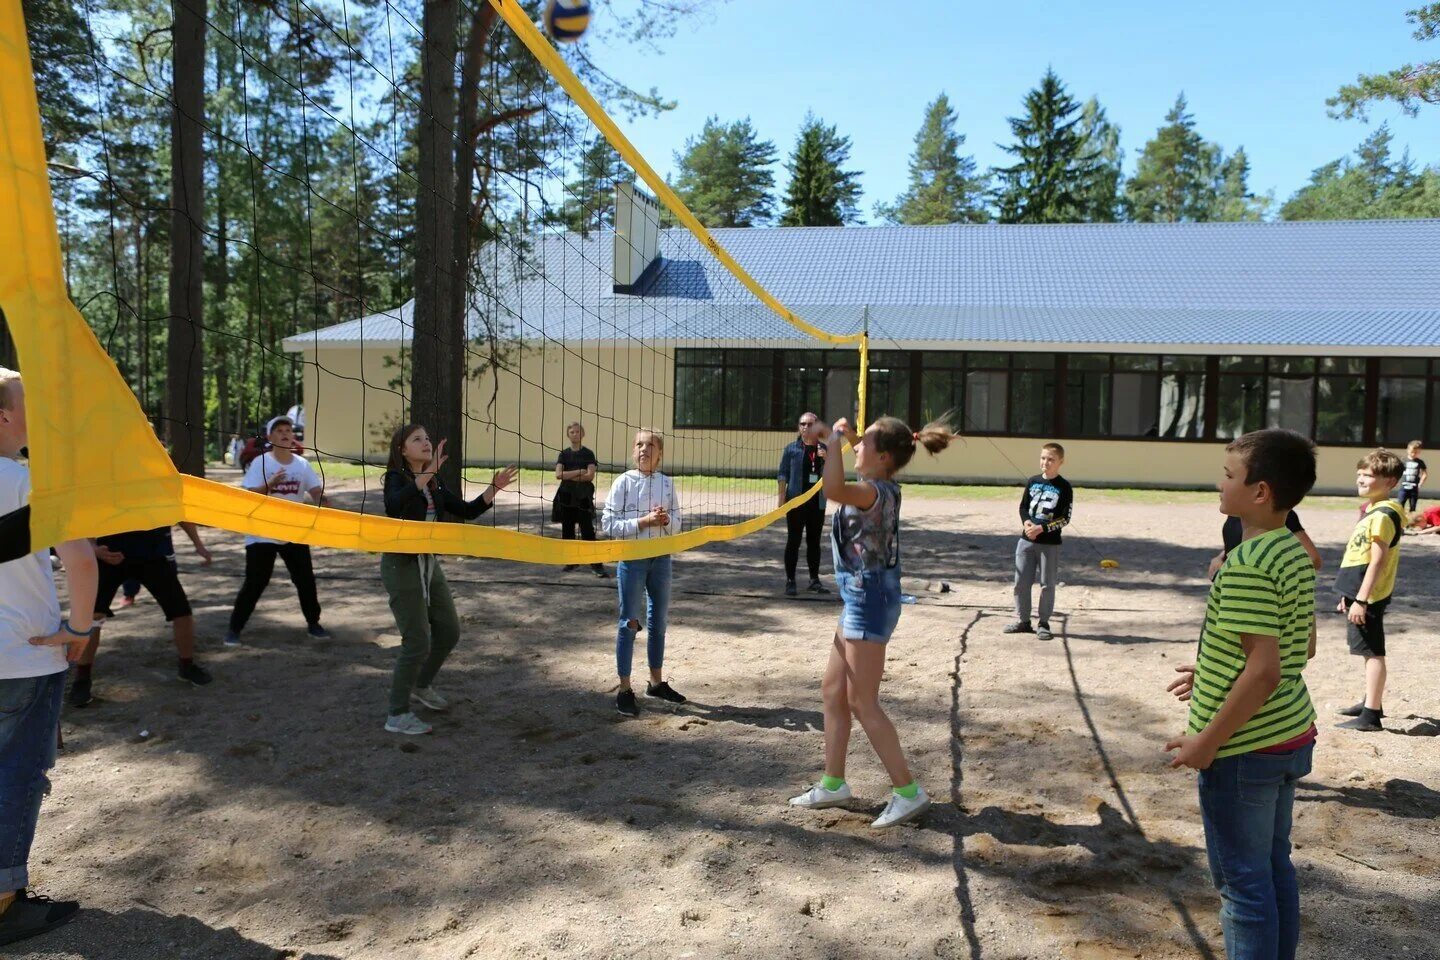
column 1061, row 516
column 15, row 534
column 459, row 507
column 783, row 474
column 1025, row 502
column 400, row 490
column 1292, row 522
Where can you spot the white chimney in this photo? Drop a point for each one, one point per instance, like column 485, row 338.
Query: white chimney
column 637, row 237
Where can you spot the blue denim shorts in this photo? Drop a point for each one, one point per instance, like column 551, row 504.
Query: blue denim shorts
column 872, row 604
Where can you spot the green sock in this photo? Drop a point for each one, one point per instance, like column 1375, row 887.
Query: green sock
column 910, row 791
column 832, row 783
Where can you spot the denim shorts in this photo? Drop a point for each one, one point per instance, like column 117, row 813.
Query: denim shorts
column 872, row 604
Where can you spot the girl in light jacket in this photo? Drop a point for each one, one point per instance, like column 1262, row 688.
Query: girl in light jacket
column 642, row 505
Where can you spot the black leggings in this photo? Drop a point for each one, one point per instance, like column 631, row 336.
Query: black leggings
column 806, row 520
column 570, row 518
column 260, row 564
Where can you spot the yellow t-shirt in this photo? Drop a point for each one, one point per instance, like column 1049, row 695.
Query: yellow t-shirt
column 1381, row 522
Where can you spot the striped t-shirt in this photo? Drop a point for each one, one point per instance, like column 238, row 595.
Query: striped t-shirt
column 1266, row 587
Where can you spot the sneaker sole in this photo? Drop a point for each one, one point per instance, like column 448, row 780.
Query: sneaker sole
column 912, row 815
column 822, row 805
column 7, row 938
column 430, row 706
column 411, row 733
column 625, row 713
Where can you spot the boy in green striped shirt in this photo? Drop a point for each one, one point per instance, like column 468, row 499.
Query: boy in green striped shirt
column 1251, row 730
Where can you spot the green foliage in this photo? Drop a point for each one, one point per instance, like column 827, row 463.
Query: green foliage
column 60, row 42
column 724, row 175
column 821, row 192
column 1234, row 200
column 1053, row 178
column 1178, row 175
column 590, row 198
column 1101, row 194
column 1409, row 85
column 944, row 187
column 1372, row 185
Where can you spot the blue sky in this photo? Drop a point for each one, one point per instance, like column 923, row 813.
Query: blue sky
column 1256, row 74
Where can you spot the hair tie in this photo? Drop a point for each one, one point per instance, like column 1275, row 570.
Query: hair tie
column 915, row 436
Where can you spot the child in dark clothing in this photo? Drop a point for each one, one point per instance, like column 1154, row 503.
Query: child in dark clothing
column 1045, row 506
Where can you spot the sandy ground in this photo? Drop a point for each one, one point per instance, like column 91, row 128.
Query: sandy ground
column 268, row 815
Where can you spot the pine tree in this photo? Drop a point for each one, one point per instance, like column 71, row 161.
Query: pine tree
column 1409, row 85
column 724, row 175
column 590, row 197
column 1101, row 196
column 1372, row 185
column 1055, row 168
column 821, row 192
column 1178, row 174
column 1234, row 201
column 944, row 187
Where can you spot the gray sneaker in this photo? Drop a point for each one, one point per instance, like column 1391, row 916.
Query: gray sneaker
column 1044, row 632
column 407, row 723
column 430, row 697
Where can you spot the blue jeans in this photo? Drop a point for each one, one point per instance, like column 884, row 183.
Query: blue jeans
column 1246, row 802
column 29, row 720
column 643, row 584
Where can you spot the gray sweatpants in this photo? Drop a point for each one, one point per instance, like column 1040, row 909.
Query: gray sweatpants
column 1028, row 557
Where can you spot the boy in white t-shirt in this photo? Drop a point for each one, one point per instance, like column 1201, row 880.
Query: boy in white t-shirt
column 279, row 472
column 33, row 661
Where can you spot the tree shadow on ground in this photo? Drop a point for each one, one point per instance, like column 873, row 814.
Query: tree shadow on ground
column 142, row 932
column 1400, row 798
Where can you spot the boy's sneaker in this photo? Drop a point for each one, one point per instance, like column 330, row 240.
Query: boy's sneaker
column 318, row 632
column 1368, row 721
column 817, row 587
column 790, row 589
column 195, row 674
column 430, row 697
column 406, row 723
column 1019, row 626
column 232, row 639
column 1357, row 709
column 600, row 571
column 126, row 601
column 818, row 798
column 1044, row 632
column 567, row 568
column 29, row 915
column 80, row 692
column 625, row 703
column 902, row 810
column 663, row 691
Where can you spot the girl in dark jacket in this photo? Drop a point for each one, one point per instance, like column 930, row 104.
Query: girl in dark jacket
column 419, row 596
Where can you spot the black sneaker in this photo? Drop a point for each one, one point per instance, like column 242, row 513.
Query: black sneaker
column 80, row 692
column 29, row 915
column 600, row 571
column 790, row 590
column 567, row 568
column 318, row 632
column 817, row 587
column 1044, row 632
column 1019, row 626
column 195, row 674
column 625, row 703
column 1356, row 709
column 1368, row 721
column 663, row 691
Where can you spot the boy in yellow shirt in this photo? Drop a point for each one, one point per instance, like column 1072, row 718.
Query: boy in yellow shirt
column 1367, row 579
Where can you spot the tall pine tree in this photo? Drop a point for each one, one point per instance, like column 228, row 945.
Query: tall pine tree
column 590, row 197
column 821, row 192
column 1373, row 185
column 724, row 175
column 944, row 187
column 1234, row 200
column 1101, row 196
column 1053, row 177
column 1178, row 175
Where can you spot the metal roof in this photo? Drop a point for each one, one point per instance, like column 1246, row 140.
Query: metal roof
column 1286, row 286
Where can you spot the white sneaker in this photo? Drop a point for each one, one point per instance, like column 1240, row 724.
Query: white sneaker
column 406, row 723
column 901, row 810
column 430, row 697
column 818, row 798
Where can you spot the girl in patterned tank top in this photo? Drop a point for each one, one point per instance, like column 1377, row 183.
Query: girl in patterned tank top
column 866, row 543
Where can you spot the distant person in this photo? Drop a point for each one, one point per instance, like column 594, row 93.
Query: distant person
column 1425, row 522
column 233, row 452
column 1232, row 532
column 1413, row 475
column 33, row 662
column 1046, row 503
column 574, row 504
column 1366, row 580
column 419, row 593
column 801, row 467
column 284, row 474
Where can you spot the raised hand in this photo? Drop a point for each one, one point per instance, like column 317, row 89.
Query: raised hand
column 503, row 478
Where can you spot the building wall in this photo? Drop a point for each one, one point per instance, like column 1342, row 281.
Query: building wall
column 351, row 409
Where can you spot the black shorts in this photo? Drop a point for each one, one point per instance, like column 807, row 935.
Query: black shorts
column 1369, row 640
column 160, row 577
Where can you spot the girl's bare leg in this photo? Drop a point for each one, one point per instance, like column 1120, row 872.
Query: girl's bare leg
column 866, row 661
column 834, row 689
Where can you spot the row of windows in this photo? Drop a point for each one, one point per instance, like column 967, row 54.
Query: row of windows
column 1335, row 400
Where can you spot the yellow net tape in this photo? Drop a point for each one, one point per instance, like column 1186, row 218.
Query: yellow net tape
column 97, row 466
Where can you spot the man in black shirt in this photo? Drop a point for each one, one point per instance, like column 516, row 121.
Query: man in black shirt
column 1045, row 505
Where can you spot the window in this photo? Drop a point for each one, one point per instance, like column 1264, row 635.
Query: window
column 724, row 388
column 804, row 383
column 1339, row 408
column 889, row 388
column 1182, row 397
column 985, row 401
column 1087, row 395
column 942, row 387
column 1400, row 411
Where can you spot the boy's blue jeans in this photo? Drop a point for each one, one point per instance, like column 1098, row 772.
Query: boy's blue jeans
column 29, row 717
column 1246, row 803
column 644, row 587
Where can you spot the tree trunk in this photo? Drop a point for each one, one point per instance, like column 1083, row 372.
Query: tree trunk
column 185, row 367
column 438, row 345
